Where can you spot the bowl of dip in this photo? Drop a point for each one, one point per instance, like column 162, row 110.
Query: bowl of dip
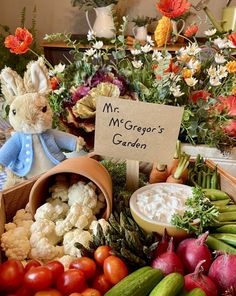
column 152, row 207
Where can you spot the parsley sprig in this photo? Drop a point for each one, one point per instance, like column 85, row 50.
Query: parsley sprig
column 200, row 213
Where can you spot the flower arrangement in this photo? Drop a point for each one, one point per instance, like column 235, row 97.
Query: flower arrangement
column 200, row 77
column 93, row 3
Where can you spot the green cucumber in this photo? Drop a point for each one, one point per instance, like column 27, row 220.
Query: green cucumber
column 138, row 283
column 216, row 244
column 227, row 216
column 228, row 238
column 227, row 208
column 196, row 292
column 220, row 203
column 215, row 194
column 171, row 285
column 230, row 228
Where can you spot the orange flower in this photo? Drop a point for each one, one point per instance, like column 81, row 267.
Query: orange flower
column 231, row 67
column 232, row 38
column 19, row 43
column 191, row 31
column 229, row 104
column 172, row 68
column 200, row 94
column 187, row 73
column 173, row 8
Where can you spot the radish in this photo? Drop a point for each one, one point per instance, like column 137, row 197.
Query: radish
column 168, row 262
column 198, row 280
column 191, row 250
column 162, row 245
column 223, row 272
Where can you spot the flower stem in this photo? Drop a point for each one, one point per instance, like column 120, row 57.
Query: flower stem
column 46, row 61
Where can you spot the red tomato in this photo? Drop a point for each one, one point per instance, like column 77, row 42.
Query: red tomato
column 11, row 275
column 91, row 292
column 114, row 269
column 101, row 284
column 75, row 294
column 85, row 264
column 71, row 281
column 101, row 253
column 31, row 263
column 48, row 292
column 38, row 278
column 56, row 268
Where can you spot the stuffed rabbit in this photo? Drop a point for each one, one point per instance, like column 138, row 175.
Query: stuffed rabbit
column 34, row 146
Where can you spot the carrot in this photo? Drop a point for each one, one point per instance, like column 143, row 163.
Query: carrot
column 158, row 173
column 178, row 175
column 172, row 167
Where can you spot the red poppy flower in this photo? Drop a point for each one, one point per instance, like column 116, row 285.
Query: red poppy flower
column 191, row 31
column 173, row 8
column 172, row 68
column 232, row 38
column 19, row 43
column 54, row 82
column 229, row 103
column 199, row 94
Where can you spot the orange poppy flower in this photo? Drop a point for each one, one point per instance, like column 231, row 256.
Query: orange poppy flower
column 191, row 31
column 172, row 68
column 173, row 8
column 200, row 94
column 232, row 38
column 19, row 43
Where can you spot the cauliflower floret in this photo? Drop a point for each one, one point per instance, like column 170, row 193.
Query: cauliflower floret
column 53, row 210
column 44, row 241
column 22, row 215
column 100, row 203
column 73, row 236
column 60, row 189
column 83, row 193
column 15, row 243
column 66, row 260
column 104, row 224
column 78, row 216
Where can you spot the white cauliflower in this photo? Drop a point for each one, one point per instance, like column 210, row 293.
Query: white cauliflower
column 73, row 236
column 66, row 260
column 15, row 241
column 60, row 189
column 100, row 203
column 104, row 224
column 78, row 216
column 53, row 209
column 83, row 193
column 44, row 240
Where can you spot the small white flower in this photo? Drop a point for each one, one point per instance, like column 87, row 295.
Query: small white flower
column 57, row 69
column 221, row 43
column 157, row 56
column 98, row 45
column 191, row 81
column 149, row 40
column 210, row 32
column 219, row 58
column 222, row 72
column 146, row 48
column 193, row 49
column 135, row 51
column 176, row 91
column 215, row 81
column 230, row 44
column 212, row 71
column 174, row 77
column 193, row 65
column 137, row 64
column 59, row 91
column 90, row 52
column 90, row 35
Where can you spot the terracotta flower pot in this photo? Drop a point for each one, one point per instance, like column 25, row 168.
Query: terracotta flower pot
column 82, row 166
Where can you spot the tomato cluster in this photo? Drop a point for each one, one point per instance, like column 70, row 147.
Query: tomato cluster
column 85, row 276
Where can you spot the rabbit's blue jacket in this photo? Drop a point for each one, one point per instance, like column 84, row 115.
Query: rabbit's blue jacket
column 18, row 154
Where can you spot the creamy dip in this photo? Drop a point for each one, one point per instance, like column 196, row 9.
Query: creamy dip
column 160, row 202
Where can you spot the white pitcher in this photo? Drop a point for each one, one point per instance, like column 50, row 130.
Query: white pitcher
column 140, row 33
column 103, row 26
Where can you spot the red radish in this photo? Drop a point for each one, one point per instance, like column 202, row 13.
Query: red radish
column 223, row 272
column 168, row 262
column 198, row 280
column 192, row 250
column 162, row 245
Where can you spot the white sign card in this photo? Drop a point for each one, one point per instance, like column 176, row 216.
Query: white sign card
column 136, row 130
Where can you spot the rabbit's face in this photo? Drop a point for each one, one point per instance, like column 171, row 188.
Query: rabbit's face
column 31, row 114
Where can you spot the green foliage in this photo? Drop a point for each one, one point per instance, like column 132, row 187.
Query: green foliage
column 141, row 21
column 93, row 3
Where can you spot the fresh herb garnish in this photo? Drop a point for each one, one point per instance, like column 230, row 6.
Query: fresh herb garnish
column 200, row 213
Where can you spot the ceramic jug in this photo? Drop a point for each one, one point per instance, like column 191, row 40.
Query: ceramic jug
column 103, row 26
column 140, row 33
column 177, row 27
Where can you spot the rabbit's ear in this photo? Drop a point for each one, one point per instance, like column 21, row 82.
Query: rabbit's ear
column 36, row 78
column 12, row 84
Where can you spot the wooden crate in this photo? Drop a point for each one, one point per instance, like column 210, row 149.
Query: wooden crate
column 16, row 198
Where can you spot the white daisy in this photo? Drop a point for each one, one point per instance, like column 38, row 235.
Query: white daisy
column 221, row 43
column 157, row 56
column 222, row 72
column 98, row 45
column 230, row 44
column 137, row 64
column 149, row 40
column 193, row 49
column 193, row 65
column 135, row 51
column 191, row 81
column 90, row 35
column 57, row 69
column 90, row 52
column 59, row 91
column 210, row 32
column 219, row 58
column 215, row 81
column 212, row 71
column 146, row 48
column 176, row 91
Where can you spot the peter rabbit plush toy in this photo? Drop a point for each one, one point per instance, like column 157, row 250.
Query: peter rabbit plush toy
column 34, row 146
